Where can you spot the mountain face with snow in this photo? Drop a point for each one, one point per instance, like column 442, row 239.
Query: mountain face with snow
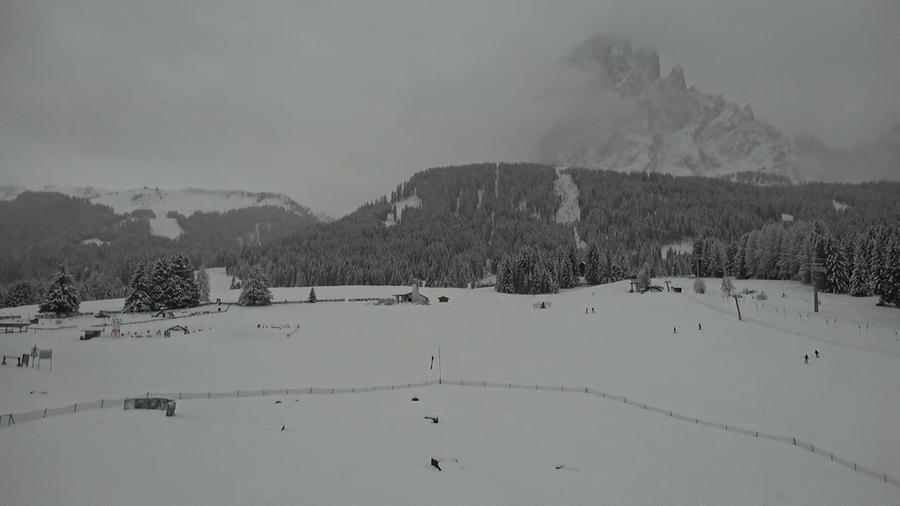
column 164, row 203
column 662, row 125
column 82, row 192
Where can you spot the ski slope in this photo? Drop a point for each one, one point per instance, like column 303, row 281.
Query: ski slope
column 374, row 448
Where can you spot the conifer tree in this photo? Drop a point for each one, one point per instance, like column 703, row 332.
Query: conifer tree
column 160, row 284
column 505, row 277
column 837, row 275
column 566, row 277
column 19, row 294
column 859, row 277
column 593, row 272
column 183, row 286
column 62, row 297
column 643, row 280
column 255, row 290
column 312, row 295
column 203, row 284
column 139, row 297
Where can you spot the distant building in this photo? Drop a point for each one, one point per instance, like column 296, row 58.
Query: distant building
column 443, row 298
column 413, row 297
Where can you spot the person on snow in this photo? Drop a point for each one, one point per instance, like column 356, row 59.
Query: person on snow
column 817, row 353
column 699, row 326
column 805, row 359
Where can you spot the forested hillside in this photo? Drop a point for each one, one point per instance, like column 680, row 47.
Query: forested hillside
column 101, row 249
column 451, row 226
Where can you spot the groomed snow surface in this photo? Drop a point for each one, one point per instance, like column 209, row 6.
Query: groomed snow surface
column 497, row 446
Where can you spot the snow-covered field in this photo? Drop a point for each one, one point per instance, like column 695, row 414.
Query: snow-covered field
column 499, row 445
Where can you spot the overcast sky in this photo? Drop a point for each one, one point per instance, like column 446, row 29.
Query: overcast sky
column 334, row 103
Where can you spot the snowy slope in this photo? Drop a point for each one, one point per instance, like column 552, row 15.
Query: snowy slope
column 567, row 191
column 374, row 448
column 187, row 202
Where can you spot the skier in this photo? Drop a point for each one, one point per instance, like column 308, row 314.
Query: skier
column 817, row 353
column 674, row 330
column 805, row 359
column 699, row 327
column 592, row 311
column 585, row 310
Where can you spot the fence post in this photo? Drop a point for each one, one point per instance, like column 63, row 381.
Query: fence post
column 179, row 396
column 45, row 412
column 148, row 395
column 101, row 403
column 75, row 410
column 209, row 395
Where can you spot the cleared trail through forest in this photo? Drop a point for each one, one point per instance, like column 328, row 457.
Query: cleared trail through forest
column 15, row 418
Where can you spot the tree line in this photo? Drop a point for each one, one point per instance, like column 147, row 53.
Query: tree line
column 169, row 283
column 861, row 263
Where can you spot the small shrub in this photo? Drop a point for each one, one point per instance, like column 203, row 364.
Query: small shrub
column 699, row 286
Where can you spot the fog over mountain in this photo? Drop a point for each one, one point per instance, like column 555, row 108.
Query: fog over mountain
column 333, row 103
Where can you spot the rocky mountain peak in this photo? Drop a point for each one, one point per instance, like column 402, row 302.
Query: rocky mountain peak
column 664, row 126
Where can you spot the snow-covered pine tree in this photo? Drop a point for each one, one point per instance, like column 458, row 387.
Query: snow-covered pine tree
column 892, row 264
column 312, row 296
column 203, row 284
column 738, row 268
column 643, row 280
column 62, row 296
column 699, row 286
column 160, row 283
column 878, row 271
column 235, row 284
column 255, row 291
column 505, row 277
column 593, row 272
column 837, row 275
column 184, row 291
column 697, row 257
column 19, row 294
column 139, row 297
column 549, row 279
column 574, row 261
column 713, row 257
column 566, row 276
column 859, row 276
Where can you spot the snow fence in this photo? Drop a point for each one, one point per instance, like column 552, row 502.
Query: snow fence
column 17, row 418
